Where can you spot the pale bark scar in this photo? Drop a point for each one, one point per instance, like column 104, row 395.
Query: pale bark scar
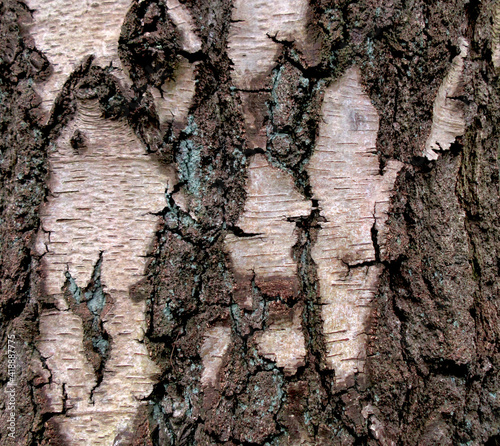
column 101, row 201
column 104, row 194
column 448, row 120
column 266, row 256
column 353, row 197
column 344, row 175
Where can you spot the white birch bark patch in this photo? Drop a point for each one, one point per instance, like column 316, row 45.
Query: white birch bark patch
column 495, row 35
column 175, row 96
column 254, row 23
column 185, row 24
column 266, row 250
column 67, row 31
column 102, row 199
column 353, row 197
column 104, row 190
column 264, row 255
column 345, row 179
column 254, row 52
column 213, row 350
column 283, row 339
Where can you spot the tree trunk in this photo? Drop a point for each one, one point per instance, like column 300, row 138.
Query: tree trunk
column 250, row 223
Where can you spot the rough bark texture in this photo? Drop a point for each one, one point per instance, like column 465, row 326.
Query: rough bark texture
column 240, row 355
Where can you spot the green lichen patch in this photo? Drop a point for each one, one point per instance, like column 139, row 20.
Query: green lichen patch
column 91, row 305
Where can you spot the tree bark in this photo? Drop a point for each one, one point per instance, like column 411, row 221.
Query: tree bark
column 250, row 223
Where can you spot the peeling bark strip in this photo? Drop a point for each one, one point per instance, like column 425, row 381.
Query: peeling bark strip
column 448, row 112
column 495, row 38
column 353, row 197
